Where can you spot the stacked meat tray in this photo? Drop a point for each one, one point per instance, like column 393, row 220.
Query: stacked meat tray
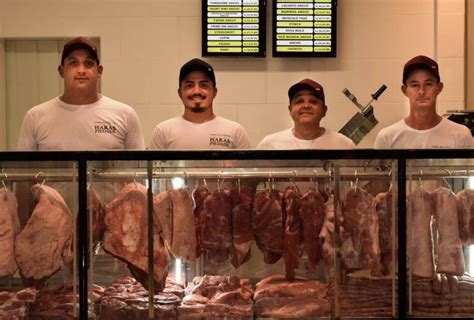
column 221, row 226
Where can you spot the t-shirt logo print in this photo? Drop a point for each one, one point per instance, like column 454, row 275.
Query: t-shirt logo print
column 220, row 140
column 104, row 127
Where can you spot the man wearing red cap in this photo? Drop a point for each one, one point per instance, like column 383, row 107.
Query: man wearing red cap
column 307, row 108
column 198, row 127
column 423, row 128
column 81, row 118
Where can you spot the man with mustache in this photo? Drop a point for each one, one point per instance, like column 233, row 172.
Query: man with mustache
column 81, row 118
column 198, row 127
column 423, row 128
column 307, row 108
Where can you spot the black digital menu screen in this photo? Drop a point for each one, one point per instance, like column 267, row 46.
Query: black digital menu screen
column 304, row 28
column 233, row 28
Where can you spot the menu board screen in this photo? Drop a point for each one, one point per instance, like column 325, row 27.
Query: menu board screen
column 304, row 28
column 233, row 27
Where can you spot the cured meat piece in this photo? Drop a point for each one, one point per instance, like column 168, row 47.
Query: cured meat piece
column 300, row 298
column 383, row 208
column 241, row 231
column 44, row 245
column 422, row 242
column 217, row 227
column 312, row 212
column 9, row 228
column 184, row 242
column 98, row 215
column 200, row 194
column 450, row 256
column 267, row 224
column 173, row 211
column 163, row 217
column 465, row 200
column 293, row 234
column 126, row 234
column 361, row 222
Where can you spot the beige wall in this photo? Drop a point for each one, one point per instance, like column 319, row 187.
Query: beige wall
column 144, row 42
column 470, row 55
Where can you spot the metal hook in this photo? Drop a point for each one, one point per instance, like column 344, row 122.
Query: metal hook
column 356, row 178
column 419, row 179
column 238, row 184
column 3, row 182
column 37, row 175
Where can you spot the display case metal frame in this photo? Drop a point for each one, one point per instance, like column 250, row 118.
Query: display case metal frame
column 83, row 157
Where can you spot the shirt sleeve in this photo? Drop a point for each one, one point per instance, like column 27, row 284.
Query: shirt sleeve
column 262, row 145
column 158, row 139
column 380, row 142
column 242, row 140
column 27, row 137
column 134, row 139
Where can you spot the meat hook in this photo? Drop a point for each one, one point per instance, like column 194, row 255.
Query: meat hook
column 37, row 176
column 3, row 182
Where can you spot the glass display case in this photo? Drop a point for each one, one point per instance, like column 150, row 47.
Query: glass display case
column 249, row 234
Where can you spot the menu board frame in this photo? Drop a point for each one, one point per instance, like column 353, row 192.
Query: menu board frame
column 262, row 33
column 312, row 54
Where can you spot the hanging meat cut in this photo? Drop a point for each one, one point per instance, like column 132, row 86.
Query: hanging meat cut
column 466, row 215
column 383, row 208
column 450, row 256
column 200, row 194
column 422, row 243
column 217, row 226
column 44, row 245
column 241, row 221
column 9, row 228
column 126, row 234
column 327, row 237
column 312, row 212
column 361, row 222
column 98, row 215
column 267, row 224
column 293, row 233
column 174, row 211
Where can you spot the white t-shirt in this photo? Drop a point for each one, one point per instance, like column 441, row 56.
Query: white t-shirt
column 286, row 140
column 445, row 135
column 103, row 125
column 219, row 133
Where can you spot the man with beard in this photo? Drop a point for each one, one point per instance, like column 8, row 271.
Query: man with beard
column 307, row 108
column 198, row 127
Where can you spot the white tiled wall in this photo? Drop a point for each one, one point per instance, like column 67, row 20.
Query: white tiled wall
column 144, row 43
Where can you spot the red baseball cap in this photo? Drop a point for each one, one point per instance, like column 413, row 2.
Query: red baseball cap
column 307, row 84
column 79, row 43
column 421, row 62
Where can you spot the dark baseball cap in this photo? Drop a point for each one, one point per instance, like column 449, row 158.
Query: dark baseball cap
column 79, row 43
column 307, row 84
column 197, row 65
column 421, row 62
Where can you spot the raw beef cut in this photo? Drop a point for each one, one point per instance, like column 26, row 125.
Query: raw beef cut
column 217, row 226
column 327, row 237
column 9, row 228
column 450, row 256
column 422, row 242
column 126, row 235
column 44, row 245
column 312, row 212
column 383, row 207
column 173, row 210
column 200, row 194
column 183, row 245
column 293, row 234
column 267, row 224
column 98, row 215
column 361, row 222
column 465, row 200
column 241, row 226
column 300, row 298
